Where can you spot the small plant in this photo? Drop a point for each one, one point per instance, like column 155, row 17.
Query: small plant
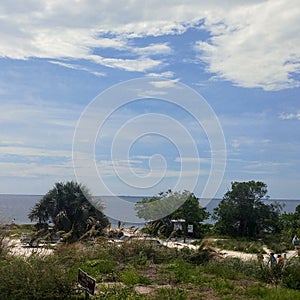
column 118, row 292
column 203, row 254
column 222, row 286
column 258, row 291
column 171, row 294
column 140, row 259
column 98, row 268
column 130, row 277
column 178, row 271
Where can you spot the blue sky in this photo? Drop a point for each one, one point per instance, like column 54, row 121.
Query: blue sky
column 242, row 57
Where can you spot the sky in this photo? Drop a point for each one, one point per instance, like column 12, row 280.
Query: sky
column 66, row 62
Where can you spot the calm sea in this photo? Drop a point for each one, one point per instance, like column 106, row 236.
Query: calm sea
column 15, row 208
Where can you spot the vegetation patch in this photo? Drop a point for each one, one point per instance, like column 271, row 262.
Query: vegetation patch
column 242, row 245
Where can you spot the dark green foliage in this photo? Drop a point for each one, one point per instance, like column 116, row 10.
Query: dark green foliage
column 131, row 277
column 242, row 211
column 271, row 273
column 67, row 207
column 35, row 278
column 291, row 274
column 290, row 223
column 183, row 205
column 258, row 291
column 279, row 243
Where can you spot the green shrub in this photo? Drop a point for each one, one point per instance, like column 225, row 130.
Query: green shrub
column 291, row 273
column 178, row 271
column 220, row 269
column 35, row 278
column 258, row 291
column 131, row 277
column 233, row 268
column 138, row 252
column 222, row 286
column 98, row 268
column 278, row 243
column 171, row 294
column 271, row 274
column 243, row 245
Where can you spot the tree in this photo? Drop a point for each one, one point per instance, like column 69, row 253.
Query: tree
column 66, row 206
column 290, row 222
column 189, row 210
column 242, row 211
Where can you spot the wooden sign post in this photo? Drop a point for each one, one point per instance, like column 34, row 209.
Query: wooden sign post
column 87, row 282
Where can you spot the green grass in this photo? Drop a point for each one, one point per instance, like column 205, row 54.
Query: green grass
column 243, row 245
column 258, row 291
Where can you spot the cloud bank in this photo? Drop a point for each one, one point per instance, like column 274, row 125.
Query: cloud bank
column 251, row 43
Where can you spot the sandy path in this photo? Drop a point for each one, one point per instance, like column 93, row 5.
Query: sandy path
column 16, row 248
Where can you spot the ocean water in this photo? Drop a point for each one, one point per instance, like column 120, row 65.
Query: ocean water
column 15, row 208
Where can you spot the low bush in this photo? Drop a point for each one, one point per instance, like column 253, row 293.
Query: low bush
column 246, row 246
column 178, row 271
column 35, row 278
column 271, row 274
column 258, row 291
column 131, row 277
column 278, row 243
column 138, row 252
column 222, row 286
column 233, row 268
column 291, row 274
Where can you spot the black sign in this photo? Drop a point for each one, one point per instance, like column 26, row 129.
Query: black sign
column 86, row 281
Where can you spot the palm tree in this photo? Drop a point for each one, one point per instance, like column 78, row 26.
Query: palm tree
column 67, row 207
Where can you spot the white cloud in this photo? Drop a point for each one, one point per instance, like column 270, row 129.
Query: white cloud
column 244, row 141
column 140, row 64
column 32, row 129
column 153, row 49
column 35, row 170
column 76, row 67
column 290, row 116
column 254, row 45
column 165, row 83
column 167, row 74
column 31, row 152
column 193, row 160
column 124, row 168
column 258, row 167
